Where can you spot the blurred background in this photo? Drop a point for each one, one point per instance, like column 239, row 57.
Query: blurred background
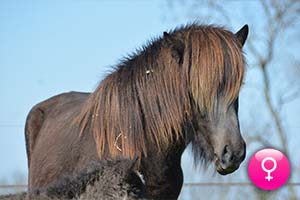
column 50, row 47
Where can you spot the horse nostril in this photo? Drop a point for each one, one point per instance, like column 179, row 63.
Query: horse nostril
column 227, row 155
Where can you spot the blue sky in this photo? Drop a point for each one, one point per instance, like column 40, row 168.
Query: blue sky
column 49, row 48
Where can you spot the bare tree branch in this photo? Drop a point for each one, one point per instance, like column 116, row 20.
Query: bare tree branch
column 257, row 138
column 291, row 97
column 280, row 17
column 274, row 26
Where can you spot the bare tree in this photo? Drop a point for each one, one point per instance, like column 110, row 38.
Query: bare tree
column 274, row 28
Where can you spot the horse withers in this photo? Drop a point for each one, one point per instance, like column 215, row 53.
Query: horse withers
column 181, row 88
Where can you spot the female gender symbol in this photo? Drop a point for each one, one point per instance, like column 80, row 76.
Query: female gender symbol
column 269, row 161
column 269, row 177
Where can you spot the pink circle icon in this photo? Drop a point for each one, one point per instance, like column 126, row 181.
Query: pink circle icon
column 269, row 169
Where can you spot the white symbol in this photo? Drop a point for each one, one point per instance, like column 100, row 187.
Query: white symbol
column 269, row 177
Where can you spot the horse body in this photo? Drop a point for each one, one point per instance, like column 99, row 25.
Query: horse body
column 48, row 160
column 183, row 88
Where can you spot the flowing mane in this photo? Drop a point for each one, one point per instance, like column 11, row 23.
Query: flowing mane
column 148, row 98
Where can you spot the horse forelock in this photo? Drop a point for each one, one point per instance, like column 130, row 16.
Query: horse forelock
column 144, row 103
column 217, row 67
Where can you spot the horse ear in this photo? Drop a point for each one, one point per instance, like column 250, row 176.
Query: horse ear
column 242, row 34
column 176, row 45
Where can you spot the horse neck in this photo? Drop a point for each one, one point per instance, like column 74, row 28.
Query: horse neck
column 162, row 172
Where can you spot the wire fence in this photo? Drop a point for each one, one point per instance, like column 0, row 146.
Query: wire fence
column 212, row 190
column 199, row 184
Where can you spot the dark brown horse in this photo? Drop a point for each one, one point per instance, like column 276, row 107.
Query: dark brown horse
column 181, row 88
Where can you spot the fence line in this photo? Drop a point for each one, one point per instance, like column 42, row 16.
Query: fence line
column 12, row 186
column 11, row 125
column 199, row 184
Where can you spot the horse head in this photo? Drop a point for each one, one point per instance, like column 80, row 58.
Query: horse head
column 217, row 135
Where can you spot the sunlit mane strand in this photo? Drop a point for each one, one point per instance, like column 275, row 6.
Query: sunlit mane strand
column 217, row 66
column 147, row 99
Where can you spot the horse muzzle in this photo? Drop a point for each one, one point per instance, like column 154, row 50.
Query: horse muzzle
column 229, row 161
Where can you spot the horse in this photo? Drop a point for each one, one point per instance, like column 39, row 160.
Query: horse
column 181, row 88
column 105, row 179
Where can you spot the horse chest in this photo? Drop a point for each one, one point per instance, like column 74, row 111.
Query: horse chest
column 163, row 174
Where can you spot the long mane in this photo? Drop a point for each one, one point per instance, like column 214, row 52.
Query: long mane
column 147, row 99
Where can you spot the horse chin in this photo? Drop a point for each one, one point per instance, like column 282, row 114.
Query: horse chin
column 225, row 170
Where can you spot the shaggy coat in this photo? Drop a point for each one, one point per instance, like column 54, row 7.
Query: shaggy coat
column 105, row 180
